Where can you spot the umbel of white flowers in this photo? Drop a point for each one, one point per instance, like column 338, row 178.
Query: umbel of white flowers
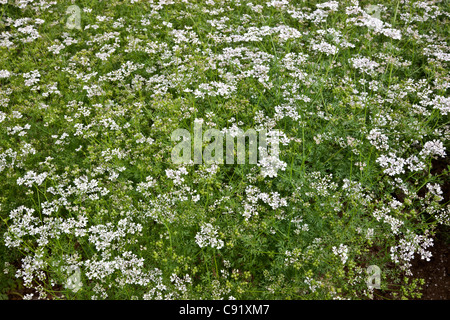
column 181, row 153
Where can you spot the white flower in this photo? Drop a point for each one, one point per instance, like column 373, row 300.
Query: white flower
column 325, row 47
column 31, row 177
column 4, row 74
column 409, row 245
column 31, row 77
column 393, row 165
column 435, row 189
column 442, row 104
column 432, row 148
column 377, row 139
column 56, row 48
column 414, row 164
column 175, row 175
column 365, row 65
column 342, row 251
column 208, row 237
column 331, row 5
column 383, row 213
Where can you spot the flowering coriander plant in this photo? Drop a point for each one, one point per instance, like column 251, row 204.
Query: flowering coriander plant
column 212, row 149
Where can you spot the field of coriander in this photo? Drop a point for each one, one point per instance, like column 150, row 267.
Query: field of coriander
column 224, row 149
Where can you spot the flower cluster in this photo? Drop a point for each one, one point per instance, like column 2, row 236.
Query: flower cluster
column 342, row 252
column 208, row 236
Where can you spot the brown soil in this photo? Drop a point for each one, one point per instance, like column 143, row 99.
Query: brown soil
column 435, row 272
